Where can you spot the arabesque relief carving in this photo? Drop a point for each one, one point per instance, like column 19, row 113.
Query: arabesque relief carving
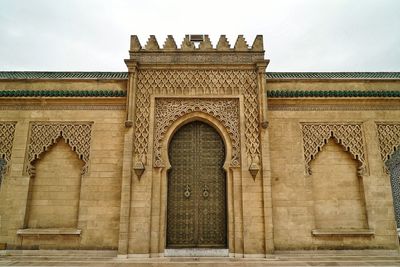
column 349, row 135
column 7, row 132
column 197, row 82
column 45, row 134
column 167, row 110
column 389, row 139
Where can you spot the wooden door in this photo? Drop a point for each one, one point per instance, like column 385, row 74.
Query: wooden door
column 196, row 208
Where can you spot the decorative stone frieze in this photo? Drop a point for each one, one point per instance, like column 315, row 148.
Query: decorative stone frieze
column 349, row 135
column 199, row 82
column 7, row 132
column 167, row 110
column 45, row 134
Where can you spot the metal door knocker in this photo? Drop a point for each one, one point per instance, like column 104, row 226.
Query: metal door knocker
column 187, row 191
column 205, row 192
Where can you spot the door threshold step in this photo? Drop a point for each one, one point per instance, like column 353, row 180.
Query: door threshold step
column 196, row 252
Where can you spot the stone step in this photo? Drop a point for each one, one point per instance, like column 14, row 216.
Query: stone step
column 200, row 264
column 109, row 259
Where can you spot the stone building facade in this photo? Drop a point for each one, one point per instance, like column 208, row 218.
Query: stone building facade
column 198, row 148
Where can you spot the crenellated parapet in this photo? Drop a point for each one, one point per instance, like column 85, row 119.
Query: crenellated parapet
column 196, row 49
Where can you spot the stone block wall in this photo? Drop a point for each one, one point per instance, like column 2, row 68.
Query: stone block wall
column 338, row 192
column 333, row 202
column 77, row 211
column 54, row 193
column 337, row 197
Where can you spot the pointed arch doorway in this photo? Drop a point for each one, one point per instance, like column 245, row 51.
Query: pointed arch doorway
column 196, row 208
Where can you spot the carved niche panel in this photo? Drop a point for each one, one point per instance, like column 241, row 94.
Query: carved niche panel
column 167, row 110
column 389, row 138
column 45, row 134
column 197, row 82
column 7, row 132
column 349, row 135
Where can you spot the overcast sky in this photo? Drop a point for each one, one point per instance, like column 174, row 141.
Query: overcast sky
column 299, row 35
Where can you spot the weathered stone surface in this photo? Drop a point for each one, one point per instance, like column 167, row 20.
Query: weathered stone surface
column 283, row 207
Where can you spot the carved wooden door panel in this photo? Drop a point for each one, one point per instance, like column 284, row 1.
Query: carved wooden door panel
column 196, row 209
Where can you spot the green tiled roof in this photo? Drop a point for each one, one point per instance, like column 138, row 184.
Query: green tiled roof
column 333, row 75
column 62, row 75
column 124, row 75
column 350, row 93
column 62, row 93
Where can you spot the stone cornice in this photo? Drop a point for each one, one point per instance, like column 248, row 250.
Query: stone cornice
column 184, row 57
column 332, row 103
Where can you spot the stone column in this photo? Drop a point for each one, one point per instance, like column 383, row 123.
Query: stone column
column 265, row 159
column 126, row 184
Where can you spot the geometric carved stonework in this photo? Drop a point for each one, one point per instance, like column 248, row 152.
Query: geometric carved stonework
column 225, row 110
column 7, row 131
column 45, row 134
column 349, row 135
column 389, row 139
column 197, row 82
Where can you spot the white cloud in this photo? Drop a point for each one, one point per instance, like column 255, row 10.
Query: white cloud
column 299, row 35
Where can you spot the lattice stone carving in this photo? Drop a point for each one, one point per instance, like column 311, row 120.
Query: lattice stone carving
column 45, row 134
column 7, row 132
column 389, row 138
column 197, row 82
column 349, row 135
column 252, row 133
column 167, row 110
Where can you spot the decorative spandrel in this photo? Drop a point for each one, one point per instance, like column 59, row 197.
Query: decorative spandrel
column 389, row 139
column 167, row 110
column 45, row 134
column 349, row 135
column 196, row 188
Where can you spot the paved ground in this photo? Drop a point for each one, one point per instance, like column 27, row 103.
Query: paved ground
column 109, row 259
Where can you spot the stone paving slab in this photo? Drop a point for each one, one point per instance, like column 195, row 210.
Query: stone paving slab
column 100, row 259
